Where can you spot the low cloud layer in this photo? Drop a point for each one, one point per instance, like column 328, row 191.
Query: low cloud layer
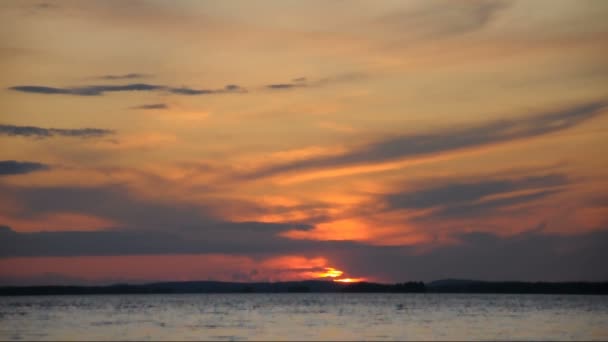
column 40, row 132
column 13, row 167
column 529, row 256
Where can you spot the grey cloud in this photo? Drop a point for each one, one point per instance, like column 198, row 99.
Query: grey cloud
column 13, row 167
column 98, row 90
column 230, row 88
column 113, row 202
column 416, row 145
column 302, row 82
column 40, row 132
column 116, row 203
column 227, row 237
column 95, row 90
column 40, row 90
column 477, row 210
column 285, row 85
column 92, row 90
column 476, row 200
column 152, row 106
column 234, row 87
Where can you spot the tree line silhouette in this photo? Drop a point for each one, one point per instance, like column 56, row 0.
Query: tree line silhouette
column 316, row 286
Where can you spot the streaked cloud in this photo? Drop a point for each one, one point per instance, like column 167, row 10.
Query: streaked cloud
column 230, row 88
column 303, row 82
column 40, row 132
column 152, row 106
column 464, row 192
column 129, row 76
column 98, row 90
column 418, row 145
column 297, row 82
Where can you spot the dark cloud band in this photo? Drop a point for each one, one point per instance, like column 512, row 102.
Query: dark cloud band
column 13, row 167
column 40, row 132
column 98, row 90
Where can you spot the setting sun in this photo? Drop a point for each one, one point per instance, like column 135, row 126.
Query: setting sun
column 335, row 274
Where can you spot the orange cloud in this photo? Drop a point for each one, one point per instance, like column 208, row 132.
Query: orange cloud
column 345, row 229
column 382, row 229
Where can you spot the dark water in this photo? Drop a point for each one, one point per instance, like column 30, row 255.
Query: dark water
column 305, row 317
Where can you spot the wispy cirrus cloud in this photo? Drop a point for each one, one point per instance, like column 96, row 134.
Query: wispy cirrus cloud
column 435, row 19
column 303, row 82
column 98, row 90
column 14, row 167
column 455, row 193
column 129, row 76
column 152, row 106
column 230, row 88
column 296, row 82
column 419, row 145
column 40, row 132
column 475, row 199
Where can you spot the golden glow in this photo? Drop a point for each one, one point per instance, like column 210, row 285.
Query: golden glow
column 335, row 274
column 349, row 280
column 331, row 273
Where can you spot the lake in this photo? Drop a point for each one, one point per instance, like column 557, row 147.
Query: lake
column 306, row 316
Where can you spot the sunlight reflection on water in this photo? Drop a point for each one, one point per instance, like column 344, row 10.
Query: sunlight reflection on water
column 304, row 317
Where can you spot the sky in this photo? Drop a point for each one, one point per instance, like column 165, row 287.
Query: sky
column 385, row 141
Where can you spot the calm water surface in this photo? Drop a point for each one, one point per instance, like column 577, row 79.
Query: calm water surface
column 304, row 317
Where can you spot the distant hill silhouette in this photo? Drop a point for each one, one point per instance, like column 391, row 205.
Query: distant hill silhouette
column 316, row 286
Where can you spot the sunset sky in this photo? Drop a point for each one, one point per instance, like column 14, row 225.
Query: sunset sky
column 283, row 140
